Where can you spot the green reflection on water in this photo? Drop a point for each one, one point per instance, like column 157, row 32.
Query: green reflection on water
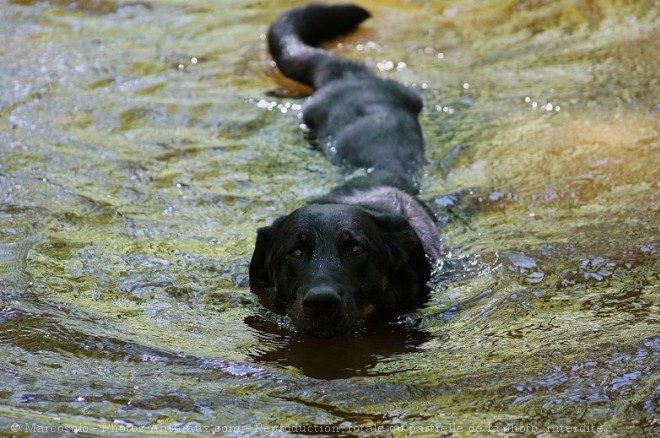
column 140, row 153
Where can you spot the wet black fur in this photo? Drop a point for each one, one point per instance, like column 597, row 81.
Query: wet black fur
column 366, row 248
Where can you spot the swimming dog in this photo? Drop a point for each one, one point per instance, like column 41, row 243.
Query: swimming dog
column 366, row 249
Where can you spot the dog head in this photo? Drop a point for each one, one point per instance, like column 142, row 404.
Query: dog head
column 331, row 266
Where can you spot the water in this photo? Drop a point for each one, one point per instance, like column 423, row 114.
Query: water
column 141, row 150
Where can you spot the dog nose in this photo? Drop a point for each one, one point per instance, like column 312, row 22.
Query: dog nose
column 321, row 299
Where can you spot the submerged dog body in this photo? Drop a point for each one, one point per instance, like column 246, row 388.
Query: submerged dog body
column 366, row 248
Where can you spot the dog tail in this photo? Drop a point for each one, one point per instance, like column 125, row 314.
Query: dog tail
column 294, row 38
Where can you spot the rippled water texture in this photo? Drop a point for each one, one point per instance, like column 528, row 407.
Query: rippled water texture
column 140, row 151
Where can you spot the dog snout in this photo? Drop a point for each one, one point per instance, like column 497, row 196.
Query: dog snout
column 322, row 300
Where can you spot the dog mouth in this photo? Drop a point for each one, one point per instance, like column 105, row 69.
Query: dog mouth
column 327, row 327
column 340, row 320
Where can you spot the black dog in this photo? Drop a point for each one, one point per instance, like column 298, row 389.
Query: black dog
column 366, row 248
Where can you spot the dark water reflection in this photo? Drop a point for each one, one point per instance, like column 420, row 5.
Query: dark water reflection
column 140, row 149
column 337, row 358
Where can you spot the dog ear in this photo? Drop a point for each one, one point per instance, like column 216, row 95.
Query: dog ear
column 399, row 237
column 261, row 256
column 402, row 244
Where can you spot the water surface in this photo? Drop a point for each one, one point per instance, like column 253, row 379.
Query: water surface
column 140, row 151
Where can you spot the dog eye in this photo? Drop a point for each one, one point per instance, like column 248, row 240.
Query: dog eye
column 296, row 253
column 358, row 249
